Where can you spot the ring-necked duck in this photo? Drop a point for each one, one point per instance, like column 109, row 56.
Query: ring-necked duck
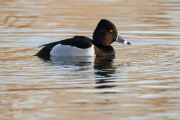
column 104, row 34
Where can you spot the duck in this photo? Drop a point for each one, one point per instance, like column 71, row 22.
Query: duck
column 104, row 35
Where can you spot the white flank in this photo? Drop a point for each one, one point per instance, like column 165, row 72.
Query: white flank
column 67, row 50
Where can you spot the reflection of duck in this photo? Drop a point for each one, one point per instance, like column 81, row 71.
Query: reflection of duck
column 99, row 63
column 104, row 34
column 103, row 70
column 76, row 61
column 102, row 67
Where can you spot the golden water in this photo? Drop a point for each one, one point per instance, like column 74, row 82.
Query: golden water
column 141, row 83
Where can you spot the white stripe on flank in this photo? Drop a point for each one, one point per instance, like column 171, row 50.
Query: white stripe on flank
column 67, row 50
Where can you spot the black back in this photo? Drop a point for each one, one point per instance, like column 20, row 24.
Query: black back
column 77, row 41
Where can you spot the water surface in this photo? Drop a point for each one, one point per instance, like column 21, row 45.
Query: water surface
column 141, row 82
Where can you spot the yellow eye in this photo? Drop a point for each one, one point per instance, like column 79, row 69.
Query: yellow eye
column 111, row 31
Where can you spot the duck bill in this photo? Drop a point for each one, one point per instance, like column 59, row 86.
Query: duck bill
column 121, row 40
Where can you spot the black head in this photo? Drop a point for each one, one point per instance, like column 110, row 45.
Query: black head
column 105, row 33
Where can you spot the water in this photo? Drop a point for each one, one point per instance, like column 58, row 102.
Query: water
column 141, row 82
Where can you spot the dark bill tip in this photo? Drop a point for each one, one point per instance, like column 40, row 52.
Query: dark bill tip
column 128, row 43
column 121, row 40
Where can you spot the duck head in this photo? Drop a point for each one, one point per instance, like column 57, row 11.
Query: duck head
column 106, row 33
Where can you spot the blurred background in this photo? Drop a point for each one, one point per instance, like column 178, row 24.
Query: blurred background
column 141, row 82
